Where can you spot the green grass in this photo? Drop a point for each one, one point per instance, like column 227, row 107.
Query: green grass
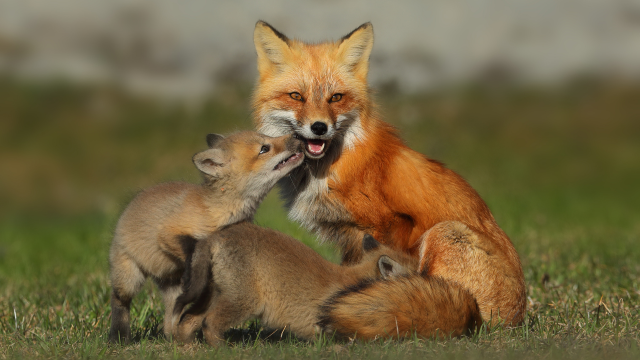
column 559, row 169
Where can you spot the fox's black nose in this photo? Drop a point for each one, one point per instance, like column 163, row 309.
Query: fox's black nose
column 319, row 128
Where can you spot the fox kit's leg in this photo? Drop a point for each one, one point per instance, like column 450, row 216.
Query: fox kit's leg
column 454, row 252
column 126, row 281
column 197, row 288
column 225, row 313
column 170, row 289
column 191, row 320
column 215, row 314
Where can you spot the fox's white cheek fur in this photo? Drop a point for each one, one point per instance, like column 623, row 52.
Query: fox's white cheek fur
column 301, row 208
column 278, row 122
column 350, row 124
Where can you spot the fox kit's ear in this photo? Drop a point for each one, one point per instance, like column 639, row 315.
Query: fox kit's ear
column 271, row 45
column 211, row 162
column 355, row 48
column 369, row 243
column 389, row 267
column 213, row 139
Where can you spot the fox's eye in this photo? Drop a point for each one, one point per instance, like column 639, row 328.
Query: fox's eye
column 296, row 96
column 265, row 149
column 336, row 98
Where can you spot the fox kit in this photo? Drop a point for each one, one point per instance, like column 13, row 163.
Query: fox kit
column 360, row 177
column 158, row 229
column 245, row 271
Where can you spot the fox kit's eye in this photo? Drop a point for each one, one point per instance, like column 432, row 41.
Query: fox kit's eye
column 336, row 98
column 296, row 96
column 265, row 149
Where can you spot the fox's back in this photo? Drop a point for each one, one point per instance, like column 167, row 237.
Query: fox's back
column 153, row 207
column 401, row 193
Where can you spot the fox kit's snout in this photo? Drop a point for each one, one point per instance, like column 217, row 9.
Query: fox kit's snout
column 249, row 162
column 295, row 146
column 158, row 231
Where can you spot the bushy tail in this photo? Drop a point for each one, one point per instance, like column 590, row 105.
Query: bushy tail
column 398, row 307
column 196, row 277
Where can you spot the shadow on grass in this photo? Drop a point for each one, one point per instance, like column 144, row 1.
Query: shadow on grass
column 238, row 337
column 253, row 334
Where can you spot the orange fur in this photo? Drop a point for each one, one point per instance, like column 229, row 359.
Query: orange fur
column 444, row 309
column 367, row 180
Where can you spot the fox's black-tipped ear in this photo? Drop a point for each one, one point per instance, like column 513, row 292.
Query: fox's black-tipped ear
column 389, row 267
column 213, row 139
column 369, row 243
column 272, row 47
column 355, row 48
column 211, row 162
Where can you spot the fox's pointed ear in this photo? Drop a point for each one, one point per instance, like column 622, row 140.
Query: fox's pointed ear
column 369, row 243
column 355, row 48
column 213, row 140
column 211, row 162
column 272, row 47
column 389, row 267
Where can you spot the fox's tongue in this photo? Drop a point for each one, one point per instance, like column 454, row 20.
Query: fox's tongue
column 315, row 146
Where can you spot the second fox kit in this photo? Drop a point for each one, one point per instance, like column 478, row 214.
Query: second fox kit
column 158, row 230
column 245, row 271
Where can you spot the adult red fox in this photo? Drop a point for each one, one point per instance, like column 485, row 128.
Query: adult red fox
column 359, row 177
column 157, row 232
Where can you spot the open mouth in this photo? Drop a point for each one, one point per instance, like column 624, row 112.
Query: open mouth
column 315, row 147
column 291, row 159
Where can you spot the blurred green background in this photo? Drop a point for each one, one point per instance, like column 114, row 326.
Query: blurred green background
column 562, row 162
column 544, row 160
column 559, row 168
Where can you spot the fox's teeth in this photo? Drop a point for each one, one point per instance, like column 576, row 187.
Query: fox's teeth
column 284, row 162
column 315, row 147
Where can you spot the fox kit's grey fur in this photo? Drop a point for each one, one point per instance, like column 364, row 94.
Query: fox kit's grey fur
column 158, row 231
column 245, row 271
